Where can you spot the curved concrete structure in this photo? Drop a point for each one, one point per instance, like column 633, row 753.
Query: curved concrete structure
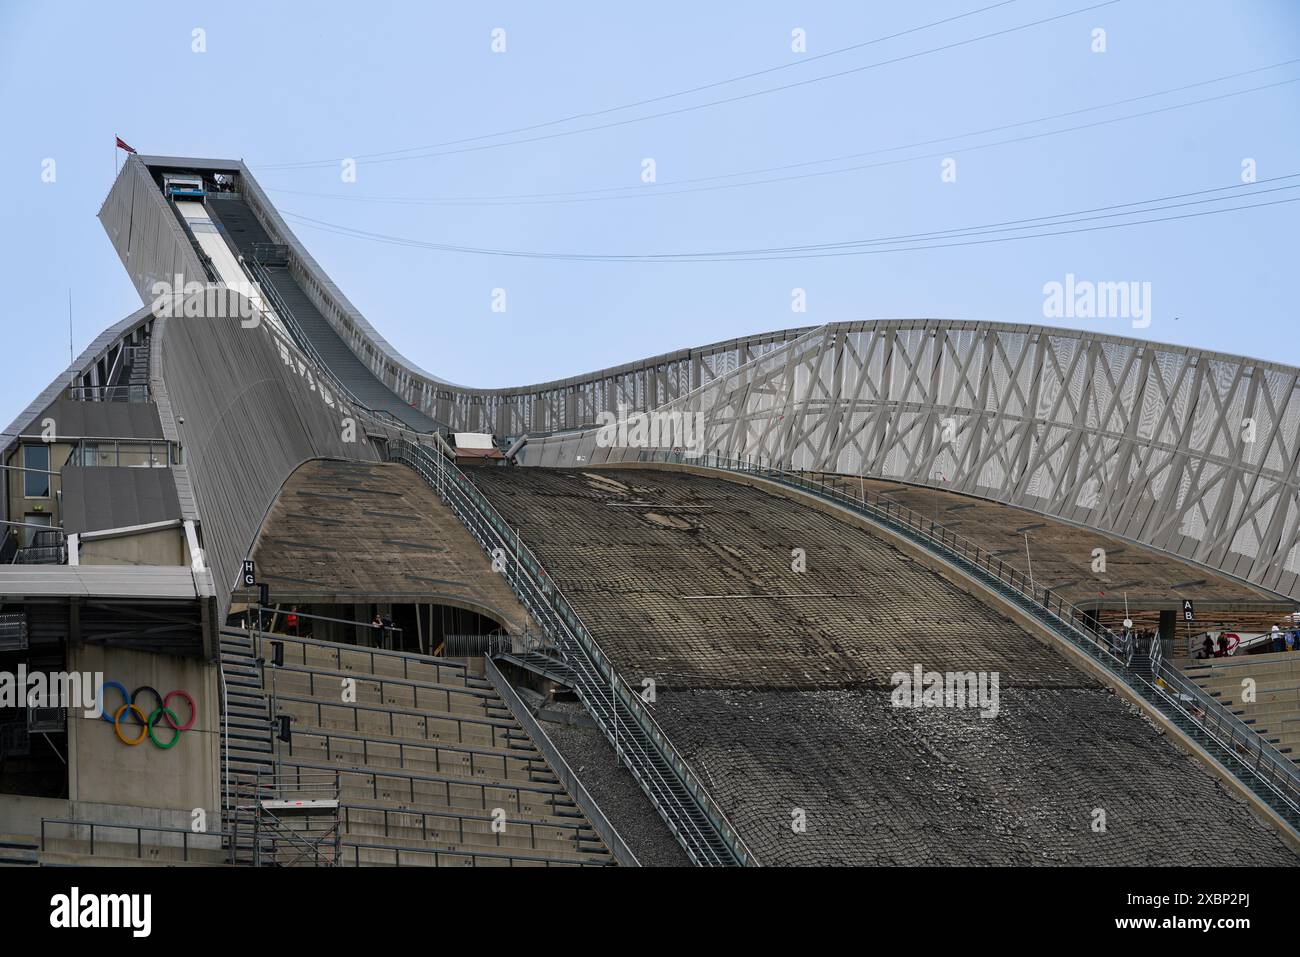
column 1188, row 451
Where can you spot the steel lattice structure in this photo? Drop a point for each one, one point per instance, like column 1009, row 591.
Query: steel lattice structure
column 1191, row 452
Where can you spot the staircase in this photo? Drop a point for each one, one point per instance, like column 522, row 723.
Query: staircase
column 247, row 750
column 689, row 822
column 19, row 850
column 1274, row 712
column 1142, row 665
column 431, row 765
column 543, row 665
column 135, row 376
column 692, row 815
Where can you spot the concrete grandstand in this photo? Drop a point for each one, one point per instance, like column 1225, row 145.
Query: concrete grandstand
column 352, row 614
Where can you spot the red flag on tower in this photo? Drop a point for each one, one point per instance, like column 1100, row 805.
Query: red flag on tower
column 121, row 144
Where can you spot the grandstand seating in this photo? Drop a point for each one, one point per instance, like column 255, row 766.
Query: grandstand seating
column 1275, row 710
column 1135, row 582
column 428, row 755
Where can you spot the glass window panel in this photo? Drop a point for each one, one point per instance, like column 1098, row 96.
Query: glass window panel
column 36, row 484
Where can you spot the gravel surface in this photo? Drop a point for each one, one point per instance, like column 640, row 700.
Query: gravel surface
column 935, row 786
column 618, row 795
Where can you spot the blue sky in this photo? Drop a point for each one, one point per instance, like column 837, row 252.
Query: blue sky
column 283, row 83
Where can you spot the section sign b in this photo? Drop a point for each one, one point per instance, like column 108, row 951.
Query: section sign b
column 1189, row 613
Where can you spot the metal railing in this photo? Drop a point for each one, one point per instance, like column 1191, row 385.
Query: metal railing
column 387, row 812
column 314, row 672
column 393, row 712
column 606, row 695
column 47, row 547
column 440, row 855
column 382, row 779
column 13, row 632
column 109, row 393
column 291, row 324
column 271, row 254
column 186, row 835
column 446, row 757
column 1167, row 687
column 577, row 790
column 128, row 453
column 339, row 649
column 273, row 616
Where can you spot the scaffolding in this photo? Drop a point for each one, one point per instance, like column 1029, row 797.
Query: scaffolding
column 293, row 819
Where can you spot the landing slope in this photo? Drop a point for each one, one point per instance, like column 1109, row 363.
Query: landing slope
column 775, row 683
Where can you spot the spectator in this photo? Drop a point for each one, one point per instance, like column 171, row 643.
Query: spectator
column 1222, row 651
column 1290, row 641
column 1277, row 644
column 291, row 621
column 1207, row 647
column 378, row 625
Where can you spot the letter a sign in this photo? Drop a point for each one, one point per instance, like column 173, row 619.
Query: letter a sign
column 1189, row 614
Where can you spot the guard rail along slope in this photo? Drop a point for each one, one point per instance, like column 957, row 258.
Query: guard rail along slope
column 676, row 792
column 1243, row 752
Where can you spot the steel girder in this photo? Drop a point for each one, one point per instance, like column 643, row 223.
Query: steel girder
column 1191, row 452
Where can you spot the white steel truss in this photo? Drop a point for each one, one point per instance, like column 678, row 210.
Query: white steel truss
column 1191, row 452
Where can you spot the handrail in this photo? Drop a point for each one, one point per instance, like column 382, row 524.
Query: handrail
column 406, row 657
column 185, row 832
column 330, row 735
column 538, row 598
column 393, row 711
column 439, row 853
column 267, row 288
column 577, row 790
column 106, row 393
column 528, row 578
column 414, row 683
column 461, row 816
column 88, row 452
column 1264, row 762
column 412, row 777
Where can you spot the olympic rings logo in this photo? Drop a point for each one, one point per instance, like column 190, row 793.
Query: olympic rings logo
column 147, row 722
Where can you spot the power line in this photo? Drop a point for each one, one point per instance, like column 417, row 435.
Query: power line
column 642, row 192
column 434, row 150
column 591, row 114
column 1063, row 232
column 917, row 241
column 1082, row 215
